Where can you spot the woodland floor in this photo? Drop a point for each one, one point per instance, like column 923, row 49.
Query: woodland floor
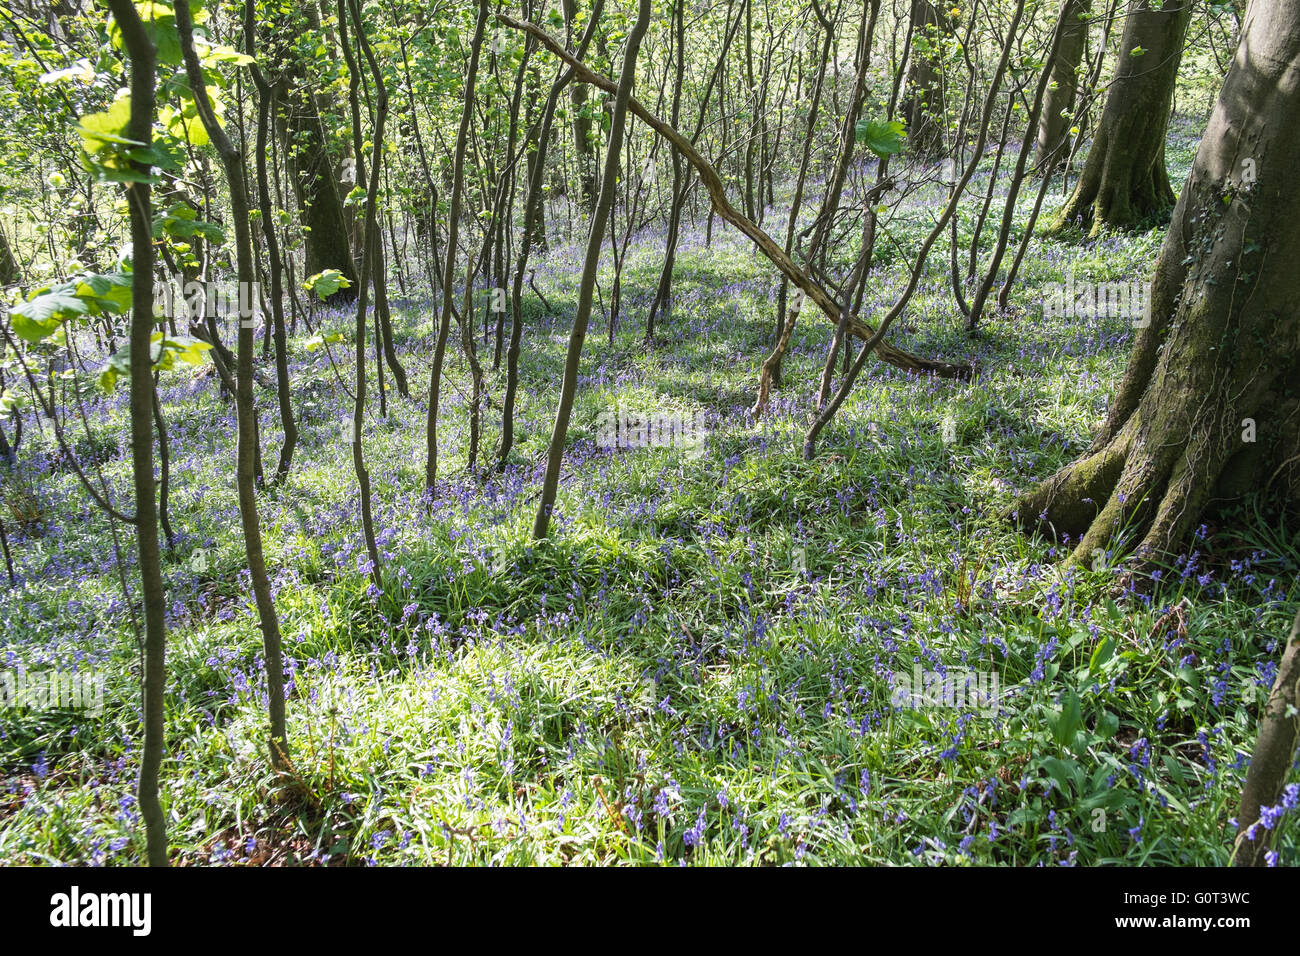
column 659, row 681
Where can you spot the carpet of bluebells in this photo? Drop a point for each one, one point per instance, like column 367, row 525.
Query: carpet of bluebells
column 700, row 665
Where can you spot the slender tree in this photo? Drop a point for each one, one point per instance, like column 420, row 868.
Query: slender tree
column 144, row 64
column 267, row 96
column 1273, row 758
column 1054, row 125
column 568, row 388
column 370, row 239
column 533, row 209
column 246, row 410
column 453, row 232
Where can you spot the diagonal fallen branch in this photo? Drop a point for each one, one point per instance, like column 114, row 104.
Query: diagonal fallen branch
column 709, row 176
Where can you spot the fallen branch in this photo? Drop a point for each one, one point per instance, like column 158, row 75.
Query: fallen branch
column 713, row 183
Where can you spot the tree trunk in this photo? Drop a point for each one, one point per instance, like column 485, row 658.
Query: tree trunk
column 449, row 266
column 925, row 103
column 568, row 388
column 1054, row 124
column 320, row 208
column 783, row 320
column 817, row 246
column 664, row 290
column 1208, row 407
column 369, row 264
column 1270, row 764
column 266, row 97
column 246, row 410
column 534, row 206
column 1124, row 182
column 581, row 125
column 9, row 272
column 143, row 57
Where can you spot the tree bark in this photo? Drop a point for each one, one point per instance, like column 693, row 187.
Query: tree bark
column 1054, row 124
column 143, row 60
column 1209, row 406
column 1275, row 753
column 1124, row 182
column 586, row 288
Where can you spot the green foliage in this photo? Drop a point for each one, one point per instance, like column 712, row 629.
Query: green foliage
column 326, row 283
column 882, row 137
column 180, row 221
column 159, row 21
column 46, row 309
column 165, row 352
column 317, row 341
column 105, row 151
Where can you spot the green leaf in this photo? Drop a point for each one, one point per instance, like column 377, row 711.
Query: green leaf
column 118, row 365
column 316, row 341
column 326, row 283
column 1064, row 722
column 1067, row 773
column 884, row 138
column 37, row 319
column 47, row 308
column 1101, row 654
column 185, row 124
column 225, row 54
column 165, row 352
column 101, row 129
column 159, row 22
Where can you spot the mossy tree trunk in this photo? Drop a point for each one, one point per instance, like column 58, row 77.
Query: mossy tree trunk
column 1209, row 406
column 924, row 107
column 9, row 271
column 326, row 242
column 582, row 145
column 1124, row 182
column 1058, row 104
column 1271, row 761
